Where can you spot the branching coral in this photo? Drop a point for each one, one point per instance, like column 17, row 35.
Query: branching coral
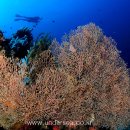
column 42, row 43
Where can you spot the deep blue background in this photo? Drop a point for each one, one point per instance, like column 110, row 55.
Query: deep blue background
column 113, row 16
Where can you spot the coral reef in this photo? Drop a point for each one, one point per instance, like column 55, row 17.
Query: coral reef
column 83, row 79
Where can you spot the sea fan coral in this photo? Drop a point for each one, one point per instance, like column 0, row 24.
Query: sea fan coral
column 100, row 77
column 10, row 85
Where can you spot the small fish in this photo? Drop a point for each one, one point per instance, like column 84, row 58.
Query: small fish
column 53, row 21
column 35, row 19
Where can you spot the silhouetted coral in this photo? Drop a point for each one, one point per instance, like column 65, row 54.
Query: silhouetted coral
column 18, row 45
column 22, row 32
column 21, row 42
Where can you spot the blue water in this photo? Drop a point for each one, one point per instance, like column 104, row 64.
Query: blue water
column 61, row 16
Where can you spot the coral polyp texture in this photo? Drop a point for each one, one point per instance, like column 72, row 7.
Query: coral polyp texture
column 82, row 79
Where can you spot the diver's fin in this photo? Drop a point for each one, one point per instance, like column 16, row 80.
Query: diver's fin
column 19, row 19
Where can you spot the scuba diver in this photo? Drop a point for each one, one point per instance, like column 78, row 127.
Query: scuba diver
column 35, row 20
